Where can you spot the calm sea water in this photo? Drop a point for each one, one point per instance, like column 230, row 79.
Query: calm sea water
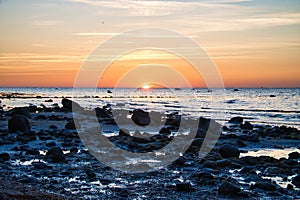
column 255, row 105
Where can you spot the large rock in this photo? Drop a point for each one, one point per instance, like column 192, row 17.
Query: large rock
column 4, row 156
column 141, row 117
column 228, row 151
column 56, row 155
column 70, row 105
column 19, row 123
column 229, row 188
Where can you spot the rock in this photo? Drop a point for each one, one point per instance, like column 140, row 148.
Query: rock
column 70, row 105
column 246, row 126
column 290, row 187
column 19, row 123
column 71, row 125
column 184, row 186
column 272, row 95
column 264, row 185
column 32, row 152
column 90, row 174
column 203, row 175
column 236, row 120
column 141, row 117
column 124, row 132
column 56, row 155
column 22, row 111
column 102, row 113
column 296, row 181
column 40, row 165
column 228, row 151
column 210, row 164
column 240, row 143
column 27, row 136
column 228, row 188
column 206, row 124
column 294, row 155
column 4, row 157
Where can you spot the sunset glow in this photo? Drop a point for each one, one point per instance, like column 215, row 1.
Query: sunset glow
column 254, row 43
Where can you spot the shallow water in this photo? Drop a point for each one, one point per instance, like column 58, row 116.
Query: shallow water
column 255, row 105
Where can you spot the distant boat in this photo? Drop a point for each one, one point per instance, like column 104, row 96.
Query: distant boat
column 236, row 90
column 177, row 89
column 209, row 90
column 108, row 91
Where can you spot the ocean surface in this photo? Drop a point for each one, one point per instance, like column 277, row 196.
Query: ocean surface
column 268, row 106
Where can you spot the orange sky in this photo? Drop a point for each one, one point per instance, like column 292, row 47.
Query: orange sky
column 253, row 43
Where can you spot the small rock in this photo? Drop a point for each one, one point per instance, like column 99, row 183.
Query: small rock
column 71, row 125
column 229, row 188
column 185, row 187
column 124, row 132
column 141, row 117
column 203, row 175
column 40, row 165
column 19, row 123
column 272, row 95
column 294, row 155
column 70, row 105
column 296, row 181
column 55, row 154
column 264, row 185
column 247, row 126
column 90, row 174
column 4, row 157
column 27, row 136
column 236, row 120
column 228, row 151
column 32, row 152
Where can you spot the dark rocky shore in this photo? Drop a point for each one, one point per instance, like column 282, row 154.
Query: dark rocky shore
column 42, row 157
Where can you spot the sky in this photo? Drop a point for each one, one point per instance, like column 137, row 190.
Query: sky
column 253, row 43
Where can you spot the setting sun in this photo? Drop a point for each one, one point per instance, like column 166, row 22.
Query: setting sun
column 146, row 87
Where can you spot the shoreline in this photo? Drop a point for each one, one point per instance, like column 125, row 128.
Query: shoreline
column 51, row 157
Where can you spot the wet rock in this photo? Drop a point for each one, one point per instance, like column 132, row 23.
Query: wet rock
column 71, row 125
column 290, row 187
column 228, row 188
column 124, row 132
column 4, row 157
column 19, row 123
column 184, row 187
column 294, row 155
column 264, row 185
column 210, row 164
column 70, row 105
column 203, row 175
column 40, row 165
column 22, row 111
column 253, row 137
column 272, row 95
column 296, row 181
column 247, row 126
column 102, row 113
column 27, row 136
column 241, row 143
column 32, row 152
column 55, row 154
column 228, row 151
column 141, row 117
column 90, row 174
column 236, row 120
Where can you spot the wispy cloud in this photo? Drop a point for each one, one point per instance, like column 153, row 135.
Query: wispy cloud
column 45, row 22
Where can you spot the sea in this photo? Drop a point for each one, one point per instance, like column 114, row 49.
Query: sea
column 265, row 106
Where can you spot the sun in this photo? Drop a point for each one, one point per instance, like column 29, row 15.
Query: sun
column 146, row 86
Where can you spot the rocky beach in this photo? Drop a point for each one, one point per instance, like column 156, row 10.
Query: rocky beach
column 42, row 157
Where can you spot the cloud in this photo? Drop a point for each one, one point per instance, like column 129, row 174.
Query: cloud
column 95, row 34
column 45, row 22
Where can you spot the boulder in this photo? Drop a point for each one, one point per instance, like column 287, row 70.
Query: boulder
column 228, row 151
column 56, row 155
column 228, row 188
column 141, row 117
column 19, row 123
column 70, row 105
column 184, row 187
column 236, row 120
